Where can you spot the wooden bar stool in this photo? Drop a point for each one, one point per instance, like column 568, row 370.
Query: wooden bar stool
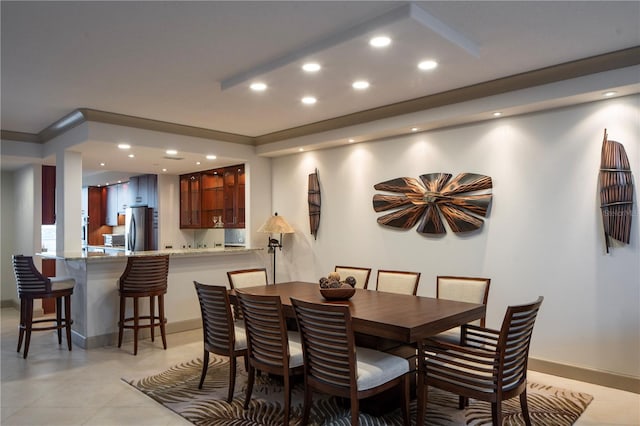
column 144, row 276
column 33, row 285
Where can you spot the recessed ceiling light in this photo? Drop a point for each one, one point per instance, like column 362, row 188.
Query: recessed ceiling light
column 300, row 149
column 131, row 155
column 609, row 94
column 352, row 140
column 428, row 65
column 164, row 170
column 311, row 67
column 497, row 114
column 197, row 163
column 124, row 146
column 211, row 157
column 309, row 100
column 119, row 181
column 171, row 152
column 102, row 164
column 380, row 41
column 360, row 84
column 258, row 86
column 414, row 129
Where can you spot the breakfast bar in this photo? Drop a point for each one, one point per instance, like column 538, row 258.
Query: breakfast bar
column 95, row 298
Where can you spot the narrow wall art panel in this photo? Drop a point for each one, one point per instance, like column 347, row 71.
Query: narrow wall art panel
column 616, row 192
column 314, row 203
column 462, row 201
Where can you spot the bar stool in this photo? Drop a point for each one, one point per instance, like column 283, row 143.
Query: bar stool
column 33, row 285
column 144, row 276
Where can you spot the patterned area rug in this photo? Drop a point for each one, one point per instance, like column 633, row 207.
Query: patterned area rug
column 177, row 389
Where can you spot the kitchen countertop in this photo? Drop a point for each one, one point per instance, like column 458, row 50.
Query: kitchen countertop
column 98, row 257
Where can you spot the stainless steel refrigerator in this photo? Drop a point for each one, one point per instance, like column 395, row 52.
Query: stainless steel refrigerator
column 137, row 228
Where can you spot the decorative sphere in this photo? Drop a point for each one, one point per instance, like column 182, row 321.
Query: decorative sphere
column 351, row 281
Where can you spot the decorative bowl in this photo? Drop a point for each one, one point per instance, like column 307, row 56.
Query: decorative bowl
column 337, row 293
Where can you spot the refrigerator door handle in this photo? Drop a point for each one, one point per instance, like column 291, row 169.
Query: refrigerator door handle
column 132, row 234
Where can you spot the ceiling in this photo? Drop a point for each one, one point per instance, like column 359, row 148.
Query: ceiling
column 191, row 63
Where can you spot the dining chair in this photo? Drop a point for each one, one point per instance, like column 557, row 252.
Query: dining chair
column 488, row 365
column 31, row 285
column 243, row 278
column 220, row 334
column 401, row 282
column 334, row 365
column 144, row 276
column 360, row 274
column 462, row 289
column 271, row 348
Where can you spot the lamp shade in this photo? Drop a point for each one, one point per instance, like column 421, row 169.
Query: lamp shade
column 276, row 225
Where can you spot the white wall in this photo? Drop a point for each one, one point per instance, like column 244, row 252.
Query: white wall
column 543, row 234
column 7, row 237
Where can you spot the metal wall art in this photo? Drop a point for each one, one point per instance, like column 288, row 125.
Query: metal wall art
column 432, row 196
column 616, row 191
column 314, row 203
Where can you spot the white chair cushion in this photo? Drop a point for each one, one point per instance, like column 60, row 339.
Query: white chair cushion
column 249, row 279
column 462, row 290
column 62, row 283
column 449, row 336
column 241, row 338
column 396, row 283
column 359, row 274
column 375, row 367
column 295, row 349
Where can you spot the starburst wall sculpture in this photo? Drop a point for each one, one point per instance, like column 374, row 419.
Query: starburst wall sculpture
column 431, row 196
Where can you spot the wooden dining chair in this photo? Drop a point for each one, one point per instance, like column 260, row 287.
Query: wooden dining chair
column 271, row 348
column 360, row 274
column 243, row 278
column 488, row 365
column 220, row 334
column 144, row 276
column 334, row 365
column 31, row 285
column 401, row 282
column 462, row 289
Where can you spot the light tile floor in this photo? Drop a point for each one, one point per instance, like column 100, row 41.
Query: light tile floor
column 56, row 387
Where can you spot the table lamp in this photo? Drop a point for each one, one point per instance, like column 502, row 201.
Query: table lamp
column 275, row 225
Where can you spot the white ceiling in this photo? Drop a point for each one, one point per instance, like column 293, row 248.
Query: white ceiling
column 167, row 60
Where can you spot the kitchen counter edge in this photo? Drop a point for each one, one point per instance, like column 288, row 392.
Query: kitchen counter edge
column 100, row 257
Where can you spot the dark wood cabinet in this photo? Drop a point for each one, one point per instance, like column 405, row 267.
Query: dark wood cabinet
column 49, row 270
column 97, row 209
column 190, row 201
column 209, row 196
column 48, row 195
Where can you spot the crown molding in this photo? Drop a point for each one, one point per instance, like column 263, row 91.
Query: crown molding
column 565, row 71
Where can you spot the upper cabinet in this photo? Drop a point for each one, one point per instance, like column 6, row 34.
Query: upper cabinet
column 117, row 202
column 213, row 198
column 48, row 195
column 143, row 190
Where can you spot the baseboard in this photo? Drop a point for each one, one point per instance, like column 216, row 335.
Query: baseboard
column 602, row 378
column 111, row 339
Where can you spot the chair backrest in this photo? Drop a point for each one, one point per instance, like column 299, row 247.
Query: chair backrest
column 267, row 338
column 327, row 343
column 28, row 278
column 401, row 282
column 360, row 274
column 247, row 277
column 217, row 321
column 514, row 342
column 464, row 289
column 145, row 273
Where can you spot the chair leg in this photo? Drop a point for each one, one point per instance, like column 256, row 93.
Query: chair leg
column 463, row 402
column 496, row 413
column 136, row 324
column 21, row 327
column 232, row 377
column 306, row 411
column 287, row 399
column 152, row 317
column 421, row 396
column 67, row 318
column 59, row 318
column 205, row 365
column 251, row 378
column 121, row 322
column 355, row 412
column 525, row 407
column 163, row 320
column 28, row 325
column 406, row 397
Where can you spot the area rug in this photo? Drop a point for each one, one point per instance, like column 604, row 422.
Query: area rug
column 177, row 390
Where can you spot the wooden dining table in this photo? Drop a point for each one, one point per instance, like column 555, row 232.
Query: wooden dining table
column 399, row 317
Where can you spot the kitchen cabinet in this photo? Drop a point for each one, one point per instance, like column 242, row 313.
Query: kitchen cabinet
column 48, row 195
column 96, row 214
column 190, row 201
column 212, row 198
column 117, row 202
column 143, row 190
column 234, row 197
column 211, row 195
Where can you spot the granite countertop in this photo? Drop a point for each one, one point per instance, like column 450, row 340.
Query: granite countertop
column 97, row 256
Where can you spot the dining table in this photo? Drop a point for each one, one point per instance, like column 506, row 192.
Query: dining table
column 398, row 317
